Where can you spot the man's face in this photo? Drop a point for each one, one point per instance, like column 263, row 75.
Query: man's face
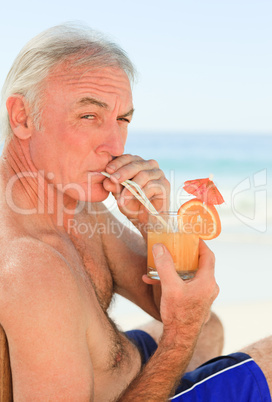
column 84, row 124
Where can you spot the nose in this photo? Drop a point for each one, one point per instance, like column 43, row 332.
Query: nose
column 112, row 139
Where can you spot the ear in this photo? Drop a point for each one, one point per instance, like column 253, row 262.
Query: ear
column 18, row 111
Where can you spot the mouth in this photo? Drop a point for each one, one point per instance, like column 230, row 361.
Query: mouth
column 95, row 172
column 97, row 176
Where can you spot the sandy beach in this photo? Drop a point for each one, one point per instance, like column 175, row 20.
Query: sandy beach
column 244, row 323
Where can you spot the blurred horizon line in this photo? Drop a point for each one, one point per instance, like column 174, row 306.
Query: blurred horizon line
column 197, row 132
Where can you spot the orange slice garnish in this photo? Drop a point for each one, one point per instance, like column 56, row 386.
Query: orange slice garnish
column 200, row 219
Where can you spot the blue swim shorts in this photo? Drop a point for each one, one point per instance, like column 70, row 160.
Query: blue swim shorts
column 232, row 378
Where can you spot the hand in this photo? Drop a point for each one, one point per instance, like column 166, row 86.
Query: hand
column 145, row 173
column 185, row 305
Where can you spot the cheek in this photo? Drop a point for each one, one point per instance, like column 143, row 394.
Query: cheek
column 40, row 151
column 77, row 136
column 124, row 133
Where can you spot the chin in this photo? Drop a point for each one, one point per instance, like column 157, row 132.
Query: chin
column 98, row 198
column 97, row 193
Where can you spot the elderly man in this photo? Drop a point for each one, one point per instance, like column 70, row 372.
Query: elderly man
column 66, row 107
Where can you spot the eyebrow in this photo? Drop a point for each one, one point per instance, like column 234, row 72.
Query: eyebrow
column 92, row 101
column 130, row 113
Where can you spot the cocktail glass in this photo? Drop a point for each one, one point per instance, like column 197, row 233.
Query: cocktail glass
column 180, row 240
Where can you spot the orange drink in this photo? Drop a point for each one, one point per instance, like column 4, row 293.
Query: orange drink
column 182, row 244
column 180, row 233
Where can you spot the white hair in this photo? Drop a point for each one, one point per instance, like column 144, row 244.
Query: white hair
column 49, row 49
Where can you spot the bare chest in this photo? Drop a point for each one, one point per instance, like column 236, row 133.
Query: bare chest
column 114, row 357
column 96, row 267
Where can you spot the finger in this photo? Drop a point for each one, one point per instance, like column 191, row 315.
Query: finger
column 145, row 169
column 206, row 270
column 154, row 190
column 164, row 265
column 114, row 188
column 206, row 260
column 150, row 281
column 120, row 161
column 158, row 191
column 143, row 177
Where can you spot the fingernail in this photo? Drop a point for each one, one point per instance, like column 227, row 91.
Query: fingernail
column 157, row 250
column 111, row 167
column 116, row 176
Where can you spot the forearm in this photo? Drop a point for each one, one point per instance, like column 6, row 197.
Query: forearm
column 184, row 309
column 162, row 373
column 156, row 295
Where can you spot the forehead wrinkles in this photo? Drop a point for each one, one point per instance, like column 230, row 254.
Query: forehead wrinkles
column 107, row 78
column 96, row 83
column 100, row 85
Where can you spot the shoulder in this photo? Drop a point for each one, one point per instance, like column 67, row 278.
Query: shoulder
column 34, row 274
column 42, row 313
column 26, row 256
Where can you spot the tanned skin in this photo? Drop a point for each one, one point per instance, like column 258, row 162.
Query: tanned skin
column 57, row 281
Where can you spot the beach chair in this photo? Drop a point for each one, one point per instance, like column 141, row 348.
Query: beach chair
column 5, row 371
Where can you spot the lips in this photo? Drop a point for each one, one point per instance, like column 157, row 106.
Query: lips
column 96, row 176
column 95, row 172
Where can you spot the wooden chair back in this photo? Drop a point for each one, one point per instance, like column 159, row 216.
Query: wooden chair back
column 5, row 371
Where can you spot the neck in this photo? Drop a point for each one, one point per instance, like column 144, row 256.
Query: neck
column 29, row 191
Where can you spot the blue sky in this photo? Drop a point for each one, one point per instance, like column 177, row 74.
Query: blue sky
column 205, row 65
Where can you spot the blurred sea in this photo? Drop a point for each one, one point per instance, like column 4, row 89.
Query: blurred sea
column 241, row 166
column 242, row 170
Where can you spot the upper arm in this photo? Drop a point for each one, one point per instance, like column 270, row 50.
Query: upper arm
column 126, row 253
column 46, row 329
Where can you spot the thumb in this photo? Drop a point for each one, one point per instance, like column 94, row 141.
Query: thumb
column 164, row 263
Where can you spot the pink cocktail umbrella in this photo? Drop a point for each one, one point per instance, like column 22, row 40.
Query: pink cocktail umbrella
column 205, row 190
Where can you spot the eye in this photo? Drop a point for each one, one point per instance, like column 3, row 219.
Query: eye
column 88, row 117
column 123, row 119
